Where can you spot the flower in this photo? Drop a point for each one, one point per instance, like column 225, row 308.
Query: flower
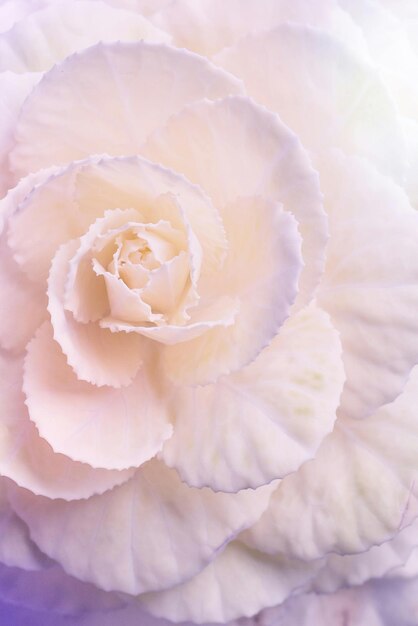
column 209, row 282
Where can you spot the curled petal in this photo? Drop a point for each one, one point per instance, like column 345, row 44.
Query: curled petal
column 95, row 354
column 234, row 149
column 261, row 274
column 107, row 428
column 29, row 460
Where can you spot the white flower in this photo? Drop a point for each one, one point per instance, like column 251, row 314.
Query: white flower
column 209, row 285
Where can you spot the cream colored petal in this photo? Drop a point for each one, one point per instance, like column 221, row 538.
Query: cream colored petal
column 167, row 285
column 85, row 289
column 45, row 37
column 95, row 354
column 113, row 539
column 221, row 314
column 261, row 272
column 355, row 569
column 323, row 92
column 359, row 491
column 233, row 149
column 66, row 205
column 109, row 428
column 29, row 460
column 94, row 101
column 238, row 583
column 370, row 286
column 266, row 420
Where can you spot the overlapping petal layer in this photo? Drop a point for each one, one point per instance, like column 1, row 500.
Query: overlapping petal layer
column 238, row 583
column 49, row 35
column 29, row 460
column 371, row 462
column 113, row 539
column 264, row 421
column 121, row 75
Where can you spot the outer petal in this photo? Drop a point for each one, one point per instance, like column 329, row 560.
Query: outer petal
column 144, row 7
column 51, row 589
column 234, row 149
column 355, row 569
column 309, row 78
column 29, row 460
column 239, row 582
column 370, row 286
column 16, row 547
column 350, row 607
column 13, row 90
column 123, row 117
column 17, row 293
column 208, row 26
column 261, row 273
column 106, row 427
column 370, row 462
column 113, row 539
column 95, row 354
column 264, row 421
column 45, row 37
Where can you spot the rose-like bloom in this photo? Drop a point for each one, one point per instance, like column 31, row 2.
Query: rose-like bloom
column 208, row 330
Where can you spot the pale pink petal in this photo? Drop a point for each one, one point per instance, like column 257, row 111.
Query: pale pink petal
column 144, row 7
column 95, row 354
column 238, row 583
column 234, row 149
column 149, row 534
column 16, row 547
column 264, row 421
column 370, row 286
column 45, row 37
column 371, row 463
column 323, row 91
column 17, row 295
column 208, row 26
column 261, row 273
column 13, row 91
column 106, row 427
column 29, row 460
column 94, row 101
